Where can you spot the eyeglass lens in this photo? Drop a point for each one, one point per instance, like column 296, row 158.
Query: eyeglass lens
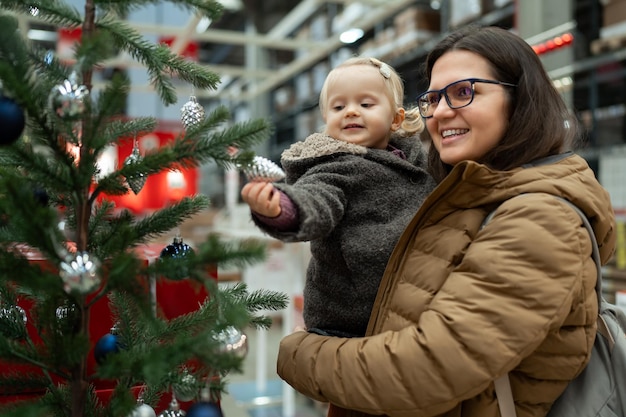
column 458, row 94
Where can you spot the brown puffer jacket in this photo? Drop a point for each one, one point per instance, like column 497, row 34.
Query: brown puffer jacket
column 459, row 306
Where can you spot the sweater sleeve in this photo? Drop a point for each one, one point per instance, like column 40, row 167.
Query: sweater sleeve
column 286, row 221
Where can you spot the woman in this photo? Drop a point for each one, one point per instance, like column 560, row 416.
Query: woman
column 459, row 306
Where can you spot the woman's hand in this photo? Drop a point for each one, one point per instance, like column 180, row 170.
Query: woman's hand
column 262, row 198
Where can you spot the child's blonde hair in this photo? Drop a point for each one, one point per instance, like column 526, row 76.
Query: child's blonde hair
column 412, row 123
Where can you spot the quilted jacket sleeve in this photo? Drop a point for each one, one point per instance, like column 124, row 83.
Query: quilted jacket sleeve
column 515, row 285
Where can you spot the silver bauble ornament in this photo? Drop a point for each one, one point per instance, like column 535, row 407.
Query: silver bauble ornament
column 262, row 169
column 173, row 410
column 192, row 113
column 13, row 322
column 136, row 181
column 68, row 99
column 187, row 388
column 67, row 317
column 79, row 272
column 232, row 341
column 13, row 313
column 65, row 311
column 143, row 410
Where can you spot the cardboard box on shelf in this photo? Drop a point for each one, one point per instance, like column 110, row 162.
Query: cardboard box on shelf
column 614, row 12
column 413, row 19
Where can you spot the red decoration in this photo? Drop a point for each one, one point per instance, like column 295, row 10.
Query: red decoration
column 157, row 191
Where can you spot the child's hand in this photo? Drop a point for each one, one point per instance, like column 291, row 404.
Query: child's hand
column 262, row 198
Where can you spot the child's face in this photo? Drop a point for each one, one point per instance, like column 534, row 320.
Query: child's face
column 358, row 109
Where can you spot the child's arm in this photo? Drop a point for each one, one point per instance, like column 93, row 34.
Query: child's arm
column 265, row 202
column 262, row 198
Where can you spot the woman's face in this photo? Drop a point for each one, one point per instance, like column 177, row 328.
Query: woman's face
column 470, row 132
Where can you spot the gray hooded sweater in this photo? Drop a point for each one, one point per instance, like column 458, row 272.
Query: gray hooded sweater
column 353, row 203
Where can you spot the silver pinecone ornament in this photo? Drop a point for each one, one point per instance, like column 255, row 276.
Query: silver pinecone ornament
column 262, row 169
column 79, row 272
column 192, row 113
column 136, row 181
column 68, row 100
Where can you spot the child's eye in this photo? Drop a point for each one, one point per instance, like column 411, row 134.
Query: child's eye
column 337, row 108
column 366, row 105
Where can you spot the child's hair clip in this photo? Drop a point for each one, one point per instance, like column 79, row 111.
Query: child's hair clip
column 385, row 70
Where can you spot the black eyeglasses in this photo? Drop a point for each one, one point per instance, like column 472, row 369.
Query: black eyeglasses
column 458, row 94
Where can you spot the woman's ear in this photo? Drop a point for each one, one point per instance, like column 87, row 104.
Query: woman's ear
column 398, row 118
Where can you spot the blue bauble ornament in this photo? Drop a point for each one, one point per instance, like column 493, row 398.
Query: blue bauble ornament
column 204, row 409
column 12, row 121
column 109, row 343
column 176, row 249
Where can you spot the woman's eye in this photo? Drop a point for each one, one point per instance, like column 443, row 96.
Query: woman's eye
column 464, row 91
column 433, row 98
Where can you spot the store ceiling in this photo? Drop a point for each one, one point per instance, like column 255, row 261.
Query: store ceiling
column 271, row 24
column 226, row 46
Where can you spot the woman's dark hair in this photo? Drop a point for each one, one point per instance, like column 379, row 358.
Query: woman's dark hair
column 539, row 121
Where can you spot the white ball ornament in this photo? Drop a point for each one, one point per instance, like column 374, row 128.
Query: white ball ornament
column 143, row 410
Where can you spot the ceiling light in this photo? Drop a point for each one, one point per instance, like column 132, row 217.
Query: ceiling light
column 351, row 35
column 203, row 24
column 232, row 5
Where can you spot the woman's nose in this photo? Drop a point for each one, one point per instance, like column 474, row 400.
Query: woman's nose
column 442, row 109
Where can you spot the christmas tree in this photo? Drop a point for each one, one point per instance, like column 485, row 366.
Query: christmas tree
column 56, row 202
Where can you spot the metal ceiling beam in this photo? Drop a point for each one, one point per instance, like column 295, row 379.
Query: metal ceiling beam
column 273, row 40
column 294, row 19
column 332, row 44
column 232, row 70
column 228, row 37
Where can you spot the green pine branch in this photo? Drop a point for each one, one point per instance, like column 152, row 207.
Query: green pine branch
column 77, row 215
